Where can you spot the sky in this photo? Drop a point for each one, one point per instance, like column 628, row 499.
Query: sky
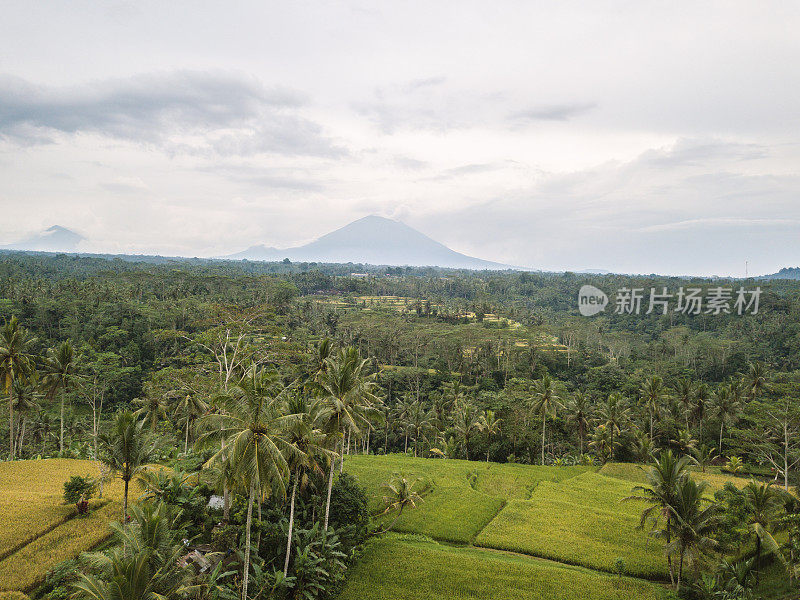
column 635, row 136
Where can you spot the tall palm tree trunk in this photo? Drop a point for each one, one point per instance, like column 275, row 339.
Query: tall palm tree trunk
column 246, row 575
column 61, row 435
column 11, row 420
column 722, row 425
column 125, row 505
column 330, row 488
column 544, row 424
column 186, row 439
column 291, row 526
column 680, row 571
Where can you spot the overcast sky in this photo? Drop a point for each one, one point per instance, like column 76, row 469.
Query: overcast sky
column 629, row 136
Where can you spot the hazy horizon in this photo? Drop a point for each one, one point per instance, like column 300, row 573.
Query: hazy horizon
column 635, row 138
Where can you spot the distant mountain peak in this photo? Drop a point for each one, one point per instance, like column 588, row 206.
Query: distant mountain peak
column 372, row 240
column 55, row 238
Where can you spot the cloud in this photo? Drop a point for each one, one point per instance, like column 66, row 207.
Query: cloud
column 216, row 112
column 553, row 112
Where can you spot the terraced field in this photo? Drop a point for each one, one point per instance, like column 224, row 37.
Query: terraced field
column 580, row 521
column 39, row 531
column 403, row 567
column 464, row 496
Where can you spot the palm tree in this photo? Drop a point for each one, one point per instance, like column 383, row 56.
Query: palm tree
column 685, row 392
column 400, row 495
column 152, row 408
column 764, row 503
column 26, row 401
column 190, row 407
column 703, row 456
column 304, row 434
column 16, row 361
column 465, row 421
column 664, row 477
column 652, row 392
column 756, row 380
column 349, row 396
column 252, row 424
column 143, row 565
column 702, row 395
column 126, row 450
column 420, row 421
column 489, row 424
column 579, row 409
column 692, row 522
column 545, row 402
column 61, row 369
column 726, row 407
column 613, row 414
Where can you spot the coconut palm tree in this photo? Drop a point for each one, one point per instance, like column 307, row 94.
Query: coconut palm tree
column 613, row 415
column 348, row 392
column 578, row 412
column 702, row 396
column 545, row 402
column 664, row 477
column 684, row 393
column 152, row 408
column 16, row 362
column 190, row 407
column 756, row 381
column 26, row 401
column 465, row 421
column 764, row 504
column 490, row 425
column 652, row 393
column 420, row 422
column 726, row 408
column 693, row 522
column 126, row 450
column 143, row 565
column 60, row 371
column 252, row 423
column 400, row 495
column 304, row 433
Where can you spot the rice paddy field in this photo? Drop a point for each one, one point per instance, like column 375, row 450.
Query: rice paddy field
column 402, row 567
column 38, row 530
column 464, row 495
column 581, row 521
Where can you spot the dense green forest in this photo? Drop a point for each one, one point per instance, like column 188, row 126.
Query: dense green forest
column 437, row 339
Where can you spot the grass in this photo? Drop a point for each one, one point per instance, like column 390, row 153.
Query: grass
column 580, row 521
column 37, row 529
column 402, row 567
column 464, row 495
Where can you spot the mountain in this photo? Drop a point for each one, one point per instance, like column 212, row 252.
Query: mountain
column 784, row 273
column 376, row 241
column 52, row 239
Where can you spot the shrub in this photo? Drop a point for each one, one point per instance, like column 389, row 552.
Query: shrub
column 349, row 511
column 78, row 487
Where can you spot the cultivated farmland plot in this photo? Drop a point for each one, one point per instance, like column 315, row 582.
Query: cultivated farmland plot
column 402, row 567
column 38, row 530
column 464, row 496
column 580, row 521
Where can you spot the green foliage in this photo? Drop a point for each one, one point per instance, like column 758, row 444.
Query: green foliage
column 349, row 511
column 79, row 488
